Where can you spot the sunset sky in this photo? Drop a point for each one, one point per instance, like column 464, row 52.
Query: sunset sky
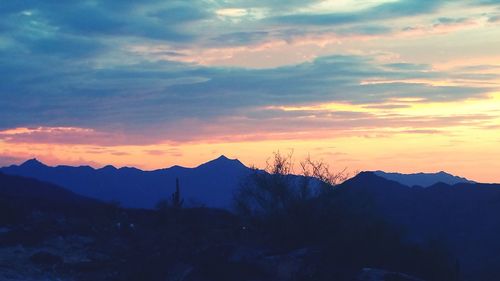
column 396, row 85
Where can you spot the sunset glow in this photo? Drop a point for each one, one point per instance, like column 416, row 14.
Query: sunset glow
column 399, row 85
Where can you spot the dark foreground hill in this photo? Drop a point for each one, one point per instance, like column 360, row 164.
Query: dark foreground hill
column 49, row 233
column 463, row 217
column 20, row 197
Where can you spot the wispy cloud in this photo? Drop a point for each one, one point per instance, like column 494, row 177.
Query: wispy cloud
column 139, row 97
column 395, row 9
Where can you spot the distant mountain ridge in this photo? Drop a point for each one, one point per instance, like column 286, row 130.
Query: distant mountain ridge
column 211, row 184
column 422, row 179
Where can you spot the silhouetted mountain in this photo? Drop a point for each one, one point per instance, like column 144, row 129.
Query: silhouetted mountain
column 211, row 184
column 20, row 197
column 33, row 164
column 423, row 179
column 463, row 216
column 27, row 189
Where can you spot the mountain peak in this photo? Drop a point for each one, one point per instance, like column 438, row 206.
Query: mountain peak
column 367, row 177
column 368, row 180
column 33, row 163
column 108, row 168
column 222, row 158
column 222, row 161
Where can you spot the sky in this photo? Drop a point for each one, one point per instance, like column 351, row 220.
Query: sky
column 394, row 85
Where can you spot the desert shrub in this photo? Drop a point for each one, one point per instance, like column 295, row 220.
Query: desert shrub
column 288, row 212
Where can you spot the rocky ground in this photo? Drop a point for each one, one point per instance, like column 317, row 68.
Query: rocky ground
column 47, row 234
column 216, row 251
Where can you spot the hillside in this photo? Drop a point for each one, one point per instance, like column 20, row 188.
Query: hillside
column 463, row 217
column 50, row 233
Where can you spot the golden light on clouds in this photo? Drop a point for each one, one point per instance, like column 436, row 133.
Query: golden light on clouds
column 393, row 85
column 468, row 148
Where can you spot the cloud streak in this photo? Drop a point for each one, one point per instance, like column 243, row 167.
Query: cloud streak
column 402, row 8
column 137, row 98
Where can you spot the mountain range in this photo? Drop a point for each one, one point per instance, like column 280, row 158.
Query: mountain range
column 423, row 179
column 462, row 216
column 211, row 184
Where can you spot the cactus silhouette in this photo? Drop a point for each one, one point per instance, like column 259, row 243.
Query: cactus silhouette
column 177, row 201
